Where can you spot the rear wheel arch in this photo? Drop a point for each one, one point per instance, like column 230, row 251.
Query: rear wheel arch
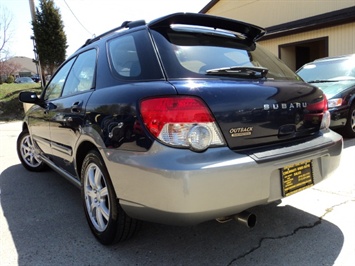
column 81, row 152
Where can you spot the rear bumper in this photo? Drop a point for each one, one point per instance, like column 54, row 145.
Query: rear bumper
column 176, row 186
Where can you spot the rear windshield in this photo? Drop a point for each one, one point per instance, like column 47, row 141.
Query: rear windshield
column 192, row 53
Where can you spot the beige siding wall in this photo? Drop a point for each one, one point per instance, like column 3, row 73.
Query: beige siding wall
column 266, row 13
column 341, row 39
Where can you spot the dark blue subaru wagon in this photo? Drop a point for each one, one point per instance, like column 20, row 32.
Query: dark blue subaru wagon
column 179, row 121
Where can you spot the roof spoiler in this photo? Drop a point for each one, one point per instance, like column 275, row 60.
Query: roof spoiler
column 250, row 31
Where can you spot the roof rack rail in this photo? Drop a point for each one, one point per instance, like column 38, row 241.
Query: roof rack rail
column 124, row 25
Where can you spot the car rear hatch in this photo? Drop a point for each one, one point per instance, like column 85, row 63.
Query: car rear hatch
column 255, row 98
column 261, row 112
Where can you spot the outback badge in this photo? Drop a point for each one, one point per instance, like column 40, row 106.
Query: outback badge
column 240, row 131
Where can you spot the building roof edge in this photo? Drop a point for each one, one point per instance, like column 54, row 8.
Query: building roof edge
column 207, row 7
column 333, row 18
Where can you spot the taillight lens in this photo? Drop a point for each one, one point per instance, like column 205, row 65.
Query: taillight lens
column 319, row 106
column 319, row 111
column 326, row 115
column 181, row 121
column 325, row 120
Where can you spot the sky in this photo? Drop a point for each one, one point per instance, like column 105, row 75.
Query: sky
column 83, row 19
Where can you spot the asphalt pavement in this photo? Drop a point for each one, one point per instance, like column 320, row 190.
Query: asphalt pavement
column 42, row 223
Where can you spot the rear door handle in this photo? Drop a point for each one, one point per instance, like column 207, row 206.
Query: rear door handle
column 76, row 107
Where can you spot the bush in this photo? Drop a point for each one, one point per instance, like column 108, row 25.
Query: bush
column 10, row 79
column 10, row 107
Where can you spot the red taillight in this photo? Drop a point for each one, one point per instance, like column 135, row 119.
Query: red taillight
column 159, row 111
column 319, row 112
column 320, row 106
column 181, row 121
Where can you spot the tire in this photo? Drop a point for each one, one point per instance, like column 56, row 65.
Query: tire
column 106, row 218
column 349, row 129
column 28, row 153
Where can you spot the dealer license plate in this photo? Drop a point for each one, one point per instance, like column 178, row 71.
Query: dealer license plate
column 296, row 177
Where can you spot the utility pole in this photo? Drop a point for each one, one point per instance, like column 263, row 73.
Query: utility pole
column 36, row 59
column 32, row 9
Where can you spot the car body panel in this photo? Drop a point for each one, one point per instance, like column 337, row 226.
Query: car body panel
column 113, row 113
column 38, row 118
column 66, row 121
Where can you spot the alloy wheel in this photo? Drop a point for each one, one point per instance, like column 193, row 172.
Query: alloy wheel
column 352, row 120
column 96, row 197
column 29, row 153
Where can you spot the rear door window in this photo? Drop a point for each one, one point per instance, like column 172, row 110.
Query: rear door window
column 81, row 76
column 76, row 76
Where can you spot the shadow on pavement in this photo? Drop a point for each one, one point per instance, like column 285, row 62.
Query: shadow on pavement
column 47, row 224
column 349, row 142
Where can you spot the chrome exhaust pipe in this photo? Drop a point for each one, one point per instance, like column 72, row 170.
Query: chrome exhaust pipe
column 246, row 218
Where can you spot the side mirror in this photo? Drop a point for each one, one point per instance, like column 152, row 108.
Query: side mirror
column 29, row 97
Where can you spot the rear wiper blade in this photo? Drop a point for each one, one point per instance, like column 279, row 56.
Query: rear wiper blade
column 338, row 79
column 321, row 81
column 239, row 71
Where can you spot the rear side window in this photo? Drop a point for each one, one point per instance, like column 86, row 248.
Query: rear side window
column 132, row 57
column 124, row 57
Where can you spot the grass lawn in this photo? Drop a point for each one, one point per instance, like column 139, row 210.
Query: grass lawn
column 10, row 107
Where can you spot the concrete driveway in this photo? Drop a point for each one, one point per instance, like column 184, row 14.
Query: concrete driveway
column 42, row 223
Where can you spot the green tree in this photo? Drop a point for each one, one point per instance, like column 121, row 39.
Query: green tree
column 49, row 36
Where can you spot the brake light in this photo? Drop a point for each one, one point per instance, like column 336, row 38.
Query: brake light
column 181, row 121
column 319, row 106
column 319, row 112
